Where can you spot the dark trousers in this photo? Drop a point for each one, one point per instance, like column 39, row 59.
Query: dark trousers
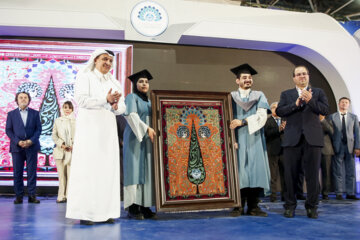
column 276, row 164
column 325, row 174
column 294, row 157
column 19, row 159
column 299, row 190
column 251, row 196
column 346, row 158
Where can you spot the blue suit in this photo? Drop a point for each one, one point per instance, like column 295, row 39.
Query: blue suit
column 16, row 131
column 344, row 151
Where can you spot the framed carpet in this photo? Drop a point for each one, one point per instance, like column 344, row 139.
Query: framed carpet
column 195, row 160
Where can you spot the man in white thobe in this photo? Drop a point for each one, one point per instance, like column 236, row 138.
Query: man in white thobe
column 94, row 184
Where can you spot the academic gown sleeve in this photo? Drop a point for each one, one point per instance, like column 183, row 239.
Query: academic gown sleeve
column 258, row 120
column 138, row 127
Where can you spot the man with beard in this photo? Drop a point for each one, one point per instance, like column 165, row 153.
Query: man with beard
column 250, row 114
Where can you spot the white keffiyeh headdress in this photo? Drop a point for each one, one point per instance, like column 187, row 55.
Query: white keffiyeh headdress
column 91, row 63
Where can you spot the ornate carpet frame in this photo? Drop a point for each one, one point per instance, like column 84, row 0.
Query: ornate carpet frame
column 194, row 157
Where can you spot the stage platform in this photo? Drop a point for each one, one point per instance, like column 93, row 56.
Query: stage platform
column 337, row 220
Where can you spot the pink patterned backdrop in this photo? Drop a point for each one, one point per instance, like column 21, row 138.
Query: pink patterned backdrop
column 48, row 75
column 35, row 73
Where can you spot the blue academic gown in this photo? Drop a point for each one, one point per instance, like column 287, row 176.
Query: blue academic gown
column 138, row 163
column 254, row 171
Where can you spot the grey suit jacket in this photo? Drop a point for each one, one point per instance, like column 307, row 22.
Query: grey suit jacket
column 352, row 131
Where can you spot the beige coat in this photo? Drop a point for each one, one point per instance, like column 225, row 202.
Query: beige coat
column 59, row 136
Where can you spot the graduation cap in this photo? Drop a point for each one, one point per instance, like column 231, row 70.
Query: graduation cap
column 142, row 74
column 110, row 52
column 243, row 68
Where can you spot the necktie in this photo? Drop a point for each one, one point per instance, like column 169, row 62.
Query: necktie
column 343, row 129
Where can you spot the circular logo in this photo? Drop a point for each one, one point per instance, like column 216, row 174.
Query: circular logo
column 149, row 18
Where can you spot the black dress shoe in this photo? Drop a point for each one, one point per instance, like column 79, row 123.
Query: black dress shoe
column 18, row 200
column 289, row 213
column 148, row 214
column 110, row 220
column 312, row 213
column 237, row 212
column 272, row 199
column 325, row 197
column 86, row 222
column 33, row 199
column 134, row 212
column 138, row 216
column 61, row 201
column 339, row 197
column 256, row 212
column 352, row 197
column 300, row 197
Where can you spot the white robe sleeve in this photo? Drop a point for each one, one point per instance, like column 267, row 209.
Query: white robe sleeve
column 257, row 120
column 82, row 93
column 138, row 127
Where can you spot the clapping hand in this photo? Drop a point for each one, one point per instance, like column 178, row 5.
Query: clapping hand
column 115, row 106
column 117, row 96
column 282, row 126
column 113, row 97
column 299, row 101
column 306, row 95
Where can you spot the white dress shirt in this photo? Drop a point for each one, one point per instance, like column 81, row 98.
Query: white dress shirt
column 24, row 115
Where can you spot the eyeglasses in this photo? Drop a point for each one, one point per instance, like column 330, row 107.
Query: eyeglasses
column 303, row 74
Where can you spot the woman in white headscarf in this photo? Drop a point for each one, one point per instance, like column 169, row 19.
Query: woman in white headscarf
column 94, row 185
column 63, row 136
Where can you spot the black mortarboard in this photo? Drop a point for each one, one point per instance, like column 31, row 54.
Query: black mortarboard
column 243, row 68
column 110, row 52
column 142, row 74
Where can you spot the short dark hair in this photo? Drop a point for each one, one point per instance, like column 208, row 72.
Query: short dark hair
column 17, row 95
column 69, row 103
column 346, row 98
column 299, row 66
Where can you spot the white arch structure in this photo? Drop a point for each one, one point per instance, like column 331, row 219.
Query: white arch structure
column 315, row 37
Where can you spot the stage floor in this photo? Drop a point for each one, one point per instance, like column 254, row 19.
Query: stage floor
column 337, row 220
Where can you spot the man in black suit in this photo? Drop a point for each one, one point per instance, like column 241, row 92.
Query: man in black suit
column 274, row 128
column 303, row 139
